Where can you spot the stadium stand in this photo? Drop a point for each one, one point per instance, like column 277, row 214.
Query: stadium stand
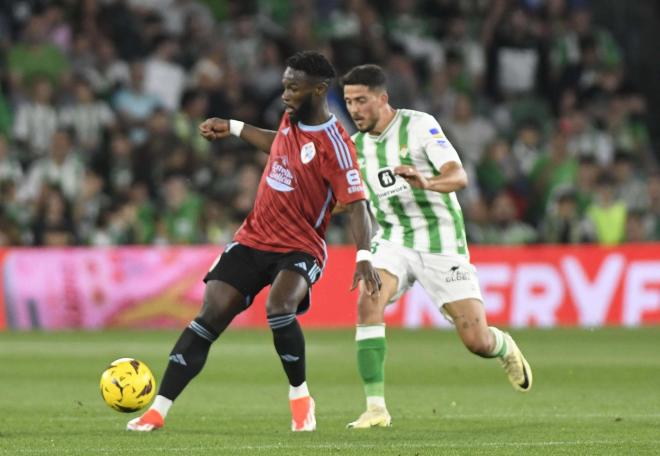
column 101, row 101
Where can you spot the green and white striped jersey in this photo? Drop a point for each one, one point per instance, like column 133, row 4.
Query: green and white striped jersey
column 419, row 219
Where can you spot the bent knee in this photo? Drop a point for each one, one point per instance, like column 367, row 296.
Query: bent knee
column 371, row 309
column 281, row 306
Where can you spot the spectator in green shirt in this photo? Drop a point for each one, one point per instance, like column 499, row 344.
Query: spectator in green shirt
column 555, row 167
column 566, row 49
column 607, row 215
column 5, row 117
column 186, row 122
column 183, row 211
column 33, row 56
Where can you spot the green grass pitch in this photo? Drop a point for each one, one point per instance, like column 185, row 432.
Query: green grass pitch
column 595, row 392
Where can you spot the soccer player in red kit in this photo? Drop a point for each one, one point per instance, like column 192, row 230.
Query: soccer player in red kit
column 311, row 166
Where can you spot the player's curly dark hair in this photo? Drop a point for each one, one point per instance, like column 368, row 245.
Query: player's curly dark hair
column 312, row 63
column 369, row 75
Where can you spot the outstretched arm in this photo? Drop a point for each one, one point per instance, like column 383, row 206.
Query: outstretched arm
column 360, row 222
column 216, row 128
column 452, row 177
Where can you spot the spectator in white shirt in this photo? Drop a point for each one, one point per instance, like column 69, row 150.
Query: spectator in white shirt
column 469, row 133
column 88, row 118
column 61, row 168
column 10, row 168
column 108, row 72
column 163, row 76
column 36, row 121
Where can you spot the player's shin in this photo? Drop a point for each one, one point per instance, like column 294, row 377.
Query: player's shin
column 187, row 359
column 371, row 350
column 290, row 346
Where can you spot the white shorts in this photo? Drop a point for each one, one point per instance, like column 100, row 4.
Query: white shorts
column 446, row 278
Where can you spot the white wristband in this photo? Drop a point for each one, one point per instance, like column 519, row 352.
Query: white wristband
column 363, row 255
column 236, row 127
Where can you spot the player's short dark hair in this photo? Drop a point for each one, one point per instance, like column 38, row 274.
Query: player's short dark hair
column 311, row 63
column 369, row 75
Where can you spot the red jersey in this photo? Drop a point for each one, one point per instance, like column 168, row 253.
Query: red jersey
column 309, row 169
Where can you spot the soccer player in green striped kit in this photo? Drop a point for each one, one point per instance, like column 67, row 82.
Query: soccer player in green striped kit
column 411, row 172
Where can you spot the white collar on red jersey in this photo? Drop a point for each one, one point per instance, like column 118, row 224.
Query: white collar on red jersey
column 319, row 127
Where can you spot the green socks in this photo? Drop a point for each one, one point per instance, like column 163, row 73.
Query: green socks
column 371, row 359
column 501, row 347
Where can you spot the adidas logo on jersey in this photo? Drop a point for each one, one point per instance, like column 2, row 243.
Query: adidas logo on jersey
column 301, row 265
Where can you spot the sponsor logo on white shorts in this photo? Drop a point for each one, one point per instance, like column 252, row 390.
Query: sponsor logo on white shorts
column 456, row 274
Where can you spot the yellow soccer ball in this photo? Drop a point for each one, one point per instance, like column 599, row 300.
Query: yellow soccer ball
column 127, row 385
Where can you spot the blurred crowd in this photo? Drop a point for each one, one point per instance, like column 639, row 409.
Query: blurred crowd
column 101, row 100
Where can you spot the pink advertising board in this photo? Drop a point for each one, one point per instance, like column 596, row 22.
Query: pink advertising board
column 161, row 287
